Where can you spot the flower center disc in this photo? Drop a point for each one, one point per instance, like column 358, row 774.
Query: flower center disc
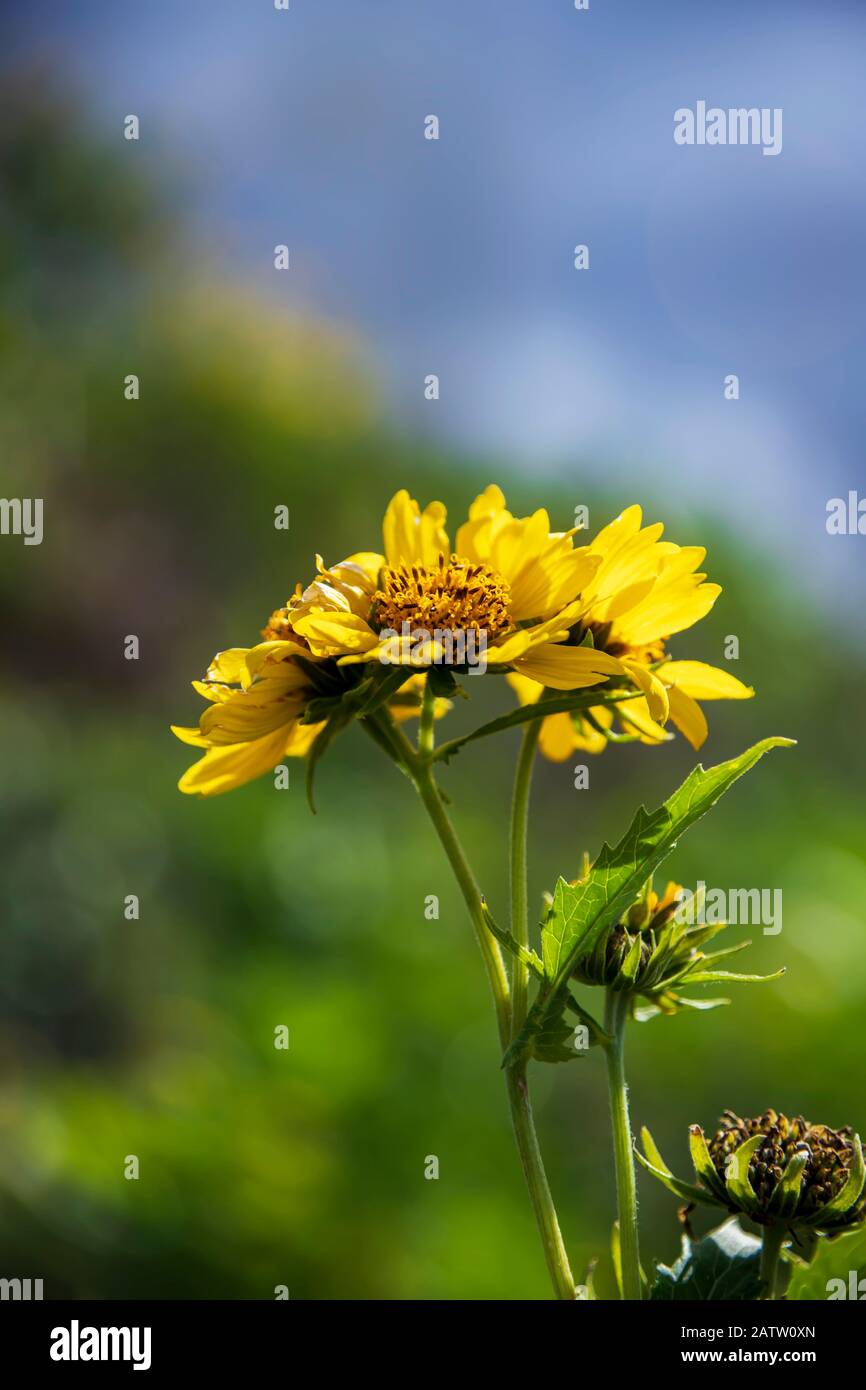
column 453, row 596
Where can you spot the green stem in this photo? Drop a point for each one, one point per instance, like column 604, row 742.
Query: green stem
column 421, row 772
column 536, row 1181
column 434, row 806
column 427, row 722
column 519, row 887
column 616, row 1017
column 771, row 1249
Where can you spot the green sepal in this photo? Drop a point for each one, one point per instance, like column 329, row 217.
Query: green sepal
column 616, row 1256
column 643, row 1013
column 628, row 971
column 444, row 684
column 786, row 1193
column 737, row 1182
column 848, row 1195
column 321, row 708
column 716, row 977
column 655, row 1164
column 703, row 1164
column 322, row 742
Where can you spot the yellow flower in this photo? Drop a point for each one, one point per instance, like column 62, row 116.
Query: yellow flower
column 259, row 694
column 644, row 590
column 549, row 613
column 509, row 582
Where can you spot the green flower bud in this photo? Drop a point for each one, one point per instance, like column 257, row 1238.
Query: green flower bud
column 652, row 954
column 777, row 1171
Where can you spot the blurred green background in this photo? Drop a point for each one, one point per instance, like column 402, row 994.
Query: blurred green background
column 155, row 1037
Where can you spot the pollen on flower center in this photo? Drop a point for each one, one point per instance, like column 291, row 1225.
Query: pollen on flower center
column 603, row 640
column 279, row 628
column 453, row 595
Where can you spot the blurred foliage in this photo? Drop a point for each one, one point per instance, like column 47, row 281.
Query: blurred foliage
column 155, row 1037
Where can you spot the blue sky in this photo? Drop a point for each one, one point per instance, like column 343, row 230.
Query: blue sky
column 455, row 256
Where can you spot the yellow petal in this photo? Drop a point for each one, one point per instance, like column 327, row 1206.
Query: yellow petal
column 228, row 666
column 634, row 716
column 222, row 769
column 670, row 607
column 704, row 682
column 299, row 739
column 252, row 714
column 568, row 668
column 556, row 739
column 213, row 692
column 332, row 634
column 688, row 716
column 588, row 738
column 273, row 659
column 194, row 737
column 413, row 537
column 526, row 690
column 655, row 693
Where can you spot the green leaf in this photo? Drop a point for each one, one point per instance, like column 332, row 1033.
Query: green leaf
column 724, row 1267
column 560, row 704
column 581, row 913
column 546, row 1036
column 511, row 943
column 837, row 1265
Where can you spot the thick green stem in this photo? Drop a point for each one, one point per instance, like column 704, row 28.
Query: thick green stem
column 519, row 884
column 771, row 1264
column 616, row 1016
column 536, row 1182
column 419, row 768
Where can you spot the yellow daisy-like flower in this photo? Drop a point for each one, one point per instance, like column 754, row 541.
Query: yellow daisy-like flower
column 551, row 614
column 509, row 581
column 644, row 590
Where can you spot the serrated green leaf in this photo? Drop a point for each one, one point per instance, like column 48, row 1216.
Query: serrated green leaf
column 547, row 1037
column 724, row 1267
column 583, row 912
column 511, row 944
column 836, row 1269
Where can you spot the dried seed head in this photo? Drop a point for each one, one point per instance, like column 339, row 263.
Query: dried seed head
column 829, row 1154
